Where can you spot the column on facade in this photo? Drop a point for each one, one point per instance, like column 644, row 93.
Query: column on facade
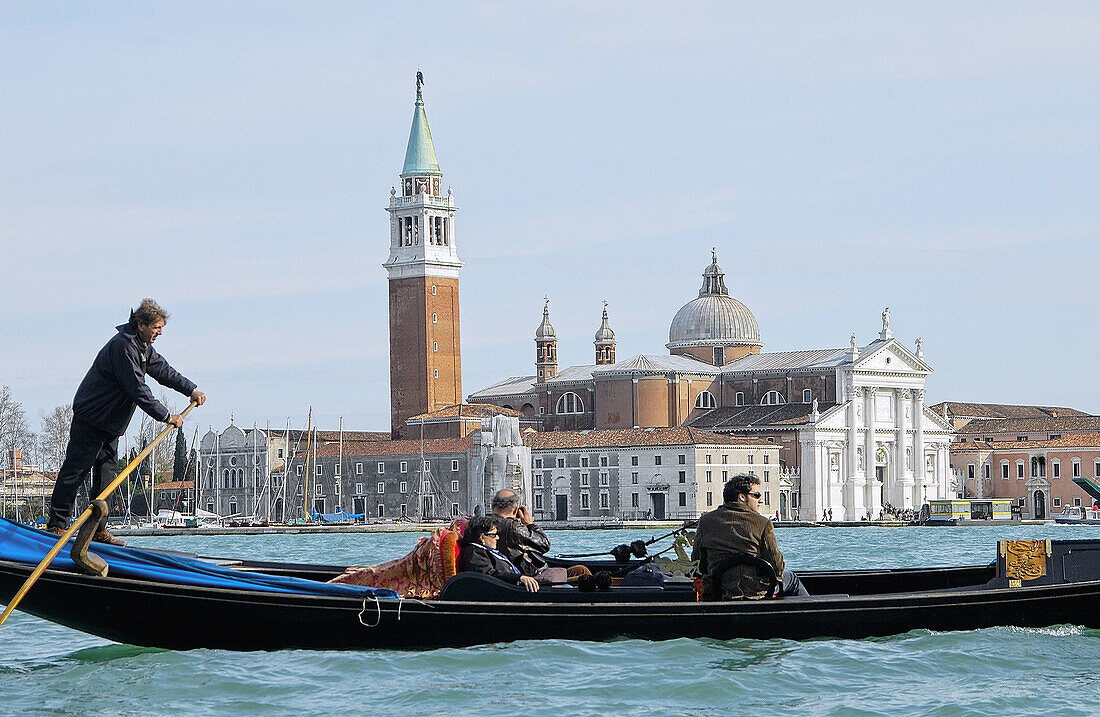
column 919, row 477
column 903, row 477
column 873, row 495
column 815, row 483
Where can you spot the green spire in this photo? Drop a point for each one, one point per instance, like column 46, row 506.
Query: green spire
column 420, row 154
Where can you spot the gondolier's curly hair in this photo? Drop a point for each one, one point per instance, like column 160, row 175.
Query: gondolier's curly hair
column 740, row 483
column 147, row 312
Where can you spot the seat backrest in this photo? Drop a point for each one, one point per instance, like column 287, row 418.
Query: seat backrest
column 448, row 554
column 766, row 570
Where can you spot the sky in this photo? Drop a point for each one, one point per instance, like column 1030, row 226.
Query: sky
column 233, row 161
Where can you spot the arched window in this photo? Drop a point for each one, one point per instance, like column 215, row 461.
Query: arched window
column 705, row 400
column 570, row 403
column 772, row 398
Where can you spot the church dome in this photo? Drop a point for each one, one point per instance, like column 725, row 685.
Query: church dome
column 605, row 335
column 545, row 331
column 714, row 318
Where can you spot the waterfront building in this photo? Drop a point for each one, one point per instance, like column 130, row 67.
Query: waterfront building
column 1009, row 422
column 642, row 473
column 850, row 423
column 25, row 489
column 1041, row 475
column 423, row 268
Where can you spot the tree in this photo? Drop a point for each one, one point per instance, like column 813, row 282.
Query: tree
column 14, row 432
column 179, row 469
column 54, row 437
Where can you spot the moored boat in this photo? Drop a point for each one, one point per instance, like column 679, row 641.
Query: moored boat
column 1031, row 584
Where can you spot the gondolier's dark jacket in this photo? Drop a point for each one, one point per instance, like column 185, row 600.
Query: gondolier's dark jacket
column 115, row 384
column 735, row 528
column 524, row 545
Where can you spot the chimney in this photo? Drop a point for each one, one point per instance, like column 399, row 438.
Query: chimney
column 15, row 459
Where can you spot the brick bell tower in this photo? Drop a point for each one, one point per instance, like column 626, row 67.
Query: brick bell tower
column 423, row 266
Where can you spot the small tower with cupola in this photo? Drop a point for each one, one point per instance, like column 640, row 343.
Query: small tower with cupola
column 546, row 348
column 605, row 342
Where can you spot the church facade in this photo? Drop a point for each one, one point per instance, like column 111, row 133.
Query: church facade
column 850, row 423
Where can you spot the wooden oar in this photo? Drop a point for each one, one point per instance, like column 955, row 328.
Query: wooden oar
column 85, row 515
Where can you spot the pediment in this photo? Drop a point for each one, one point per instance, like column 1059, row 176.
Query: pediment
column 891, row 356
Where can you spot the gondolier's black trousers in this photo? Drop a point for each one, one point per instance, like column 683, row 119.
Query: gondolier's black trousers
column 89, row 449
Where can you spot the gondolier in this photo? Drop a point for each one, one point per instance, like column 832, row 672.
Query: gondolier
column 104, row 404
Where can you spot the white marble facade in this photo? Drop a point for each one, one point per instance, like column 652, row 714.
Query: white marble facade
column 878, row 444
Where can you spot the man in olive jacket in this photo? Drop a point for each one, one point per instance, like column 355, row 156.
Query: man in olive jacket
column 104, row 404
column 738, row 527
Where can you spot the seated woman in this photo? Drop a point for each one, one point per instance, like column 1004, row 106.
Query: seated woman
column 480, row 555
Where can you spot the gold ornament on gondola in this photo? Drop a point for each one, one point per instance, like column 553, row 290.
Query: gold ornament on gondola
column 1025, row 559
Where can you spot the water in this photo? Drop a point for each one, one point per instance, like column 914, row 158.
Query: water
column 48, row 669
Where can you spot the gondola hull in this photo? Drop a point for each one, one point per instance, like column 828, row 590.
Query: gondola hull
column 475, row 609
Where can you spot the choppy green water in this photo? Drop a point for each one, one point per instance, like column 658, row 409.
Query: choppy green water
column 48, row 669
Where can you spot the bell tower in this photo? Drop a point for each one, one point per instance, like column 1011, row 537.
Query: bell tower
column 546, row 348
column 605, row 342
column 423, row 267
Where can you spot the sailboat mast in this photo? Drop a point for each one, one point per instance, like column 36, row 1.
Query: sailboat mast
column 340, row 465
column 309, row 442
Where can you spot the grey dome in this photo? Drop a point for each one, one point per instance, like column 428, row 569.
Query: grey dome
column 715, row 318
column 605, row 335
column 545, row 332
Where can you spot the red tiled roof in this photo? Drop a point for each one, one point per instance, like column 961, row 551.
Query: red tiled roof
column 395, row 448
column 467, row 410
column 680, row 436
column 1002, row 410
column 1060, row 424
column 175, row 485
column 1073, row 440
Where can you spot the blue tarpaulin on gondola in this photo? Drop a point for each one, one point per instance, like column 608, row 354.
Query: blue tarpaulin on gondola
column 20, row 544
column 339, row 516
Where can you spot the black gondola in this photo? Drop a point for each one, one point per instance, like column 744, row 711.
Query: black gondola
column 1031, row 584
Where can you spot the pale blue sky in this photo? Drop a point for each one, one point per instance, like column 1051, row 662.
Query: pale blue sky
column 233, row 160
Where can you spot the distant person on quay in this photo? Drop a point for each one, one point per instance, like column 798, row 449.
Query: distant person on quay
column 734, row 527
column 104, row 404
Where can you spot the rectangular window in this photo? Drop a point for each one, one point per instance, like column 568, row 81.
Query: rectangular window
column 1096, row 469
column 454, row 486
column 603, row 461
column 359, row 489
column 1056, row 469
column 454, row 466
column 538, row 463
column 404, row 508
column 1055, row 436
column 427, row 467
column 320, row 471
column 605, row 501
column 634, row 478
column 767, row 497
column 381, row 467
column 683, row 499
column 320, row 489
column 381, row 511
column 739, row 399
column 807, row 395
column 710, row 499
column 1020, row 470
column 970, row 471
column 986, row 470
column 584, row 501
column 584, row 461
column 750, row 459
column 604, row 479
column 1021, row 438
column 298, row 491
column 765, row 476
column 404, row 467
column 584, row 480
column 538, row 501
column 656, row 460
column 280, row 453
column 634, row 460
column 767, row 458
column 725, row 458
column 298, row 470
column 454, row 510
column 402, row 487
column 633, row 500
column 708, row 459
column 709, row 477
column 1077, row 469
column 1004, row 471
column 561, row 463
column 681, row 459
column 381, row 487
column 336, row 468
column 1077, row 501
column 683, row 477
column 358, row 469
column 1057, row 502
column 725, row 476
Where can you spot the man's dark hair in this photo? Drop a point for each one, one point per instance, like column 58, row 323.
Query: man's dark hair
column 504, row 500
column 740, row 483
column 147, row 312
